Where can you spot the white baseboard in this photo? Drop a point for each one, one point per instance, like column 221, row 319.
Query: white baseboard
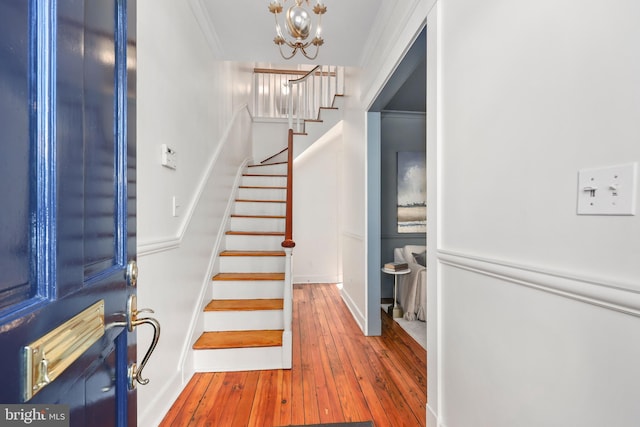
column 305, row 280
column 157, row 408
column 432, row 418
column 353, row 308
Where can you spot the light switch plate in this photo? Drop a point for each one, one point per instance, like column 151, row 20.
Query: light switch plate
column 608, row 190
column 174, row 206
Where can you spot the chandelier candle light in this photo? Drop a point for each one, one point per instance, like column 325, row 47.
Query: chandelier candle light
column 298, row 23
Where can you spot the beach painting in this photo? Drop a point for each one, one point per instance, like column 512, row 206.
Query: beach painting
column 412, row 192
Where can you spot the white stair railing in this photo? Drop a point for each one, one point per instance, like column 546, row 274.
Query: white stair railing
column 311, row 92
column 297, row 96
column 279, row 94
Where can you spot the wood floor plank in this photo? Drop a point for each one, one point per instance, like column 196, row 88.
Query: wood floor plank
column 297, row 404
column 309, row 343
column 187, row 399
column 359, row 366
column 342, row 331
column 338, row 375
column 284, row 397
column 262, row 411
column 192, row 400
column 247, row 398
column 208, row 401
column 328, row 402
column 226, row 404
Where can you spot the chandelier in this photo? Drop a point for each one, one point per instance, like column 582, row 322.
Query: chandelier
column 298, row 23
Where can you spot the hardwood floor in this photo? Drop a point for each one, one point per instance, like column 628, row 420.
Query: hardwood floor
column 338, row 375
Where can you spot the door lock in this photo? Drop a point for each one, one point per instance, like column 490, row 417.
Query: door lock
column 132, row 273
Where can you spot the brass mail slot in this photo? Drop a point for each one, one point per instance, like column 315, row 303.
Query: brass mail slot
column 47, row 357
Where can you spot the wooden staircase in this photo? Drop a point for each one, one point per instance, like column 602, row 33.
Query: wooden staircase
column 244, row 321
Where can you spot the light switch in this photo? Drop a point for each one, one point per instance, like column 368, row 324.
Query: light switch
column 608, row 190
column 169, row 157
column 175, row 206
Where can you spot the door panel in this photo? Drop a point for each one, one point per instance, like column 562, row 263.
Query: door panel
column 15, row 285
column 100, row 173
column 68, row 183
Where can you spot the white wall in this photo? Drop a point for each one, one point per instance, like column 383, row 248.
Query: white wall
column 193, row 102
column 316, row 210
column 538, row 306
column 270, row 136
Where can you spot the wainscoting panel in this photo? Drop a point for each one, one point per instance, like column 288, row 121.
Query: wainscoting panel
column 561, row 349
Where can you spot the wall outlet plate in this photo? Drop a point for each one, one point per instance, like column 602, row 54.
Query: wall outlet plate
column 608, row 190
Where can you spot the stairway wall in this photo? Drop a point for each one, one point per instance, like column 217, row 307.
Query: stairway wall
column 193, row 102
column 316, row 211
column 269, row 137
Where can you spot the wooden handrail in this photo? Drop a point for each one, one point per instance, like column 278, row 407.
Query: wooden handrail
column 288, row 230
column 275, row 71
column 306, row 76
column 292, row 72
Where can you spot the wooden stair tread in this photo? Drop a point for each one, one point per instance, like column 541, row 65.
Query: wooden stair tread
column 267, row 164
column 255, row 233
column 268, row 175
column 238, row 339
column 247, row 276
column 260, row 201
column 258, row 216
column 245, row 304
column 252, row 253
column 262, row 187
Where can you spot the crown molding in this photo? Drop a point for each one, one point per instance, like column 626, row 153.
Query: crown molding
column 201, row 13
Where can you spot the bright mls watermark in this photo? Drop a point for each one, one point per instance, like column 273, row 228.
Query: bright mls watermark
column 34, row 415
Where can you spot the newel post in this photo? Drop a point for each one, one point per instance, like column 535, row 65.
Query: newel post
column 288, row 244
column 288, row 231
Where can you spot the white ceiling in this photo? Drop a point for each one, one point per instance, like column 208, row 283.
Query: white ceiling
column 243, row 30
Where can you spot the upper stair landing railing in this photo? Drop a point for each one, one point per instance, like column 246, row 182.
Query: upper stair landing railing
column 294, row 94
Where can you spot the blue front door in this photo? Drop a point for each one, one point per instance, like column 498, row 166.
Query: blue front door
column 67, row 191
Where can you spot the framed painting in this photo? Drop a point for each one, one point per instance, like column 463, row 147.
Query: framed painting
column 412, row 192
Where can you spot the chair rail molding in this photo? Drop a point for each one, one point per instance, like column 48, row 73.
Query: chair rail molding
column 617, row 296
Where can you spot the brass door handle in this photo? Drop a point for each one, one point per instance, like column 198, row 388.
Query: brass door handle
column 133, row 321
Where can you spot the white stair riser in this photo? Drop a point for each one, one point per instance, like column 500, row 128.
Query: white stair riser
column 271, row 169
column 243, row 320
column 257, row 224
column 252, row 243
column 244, row 289
column 262, row 193
column 259, row 208
column 239, row 359
column 251, row 264
column 264, row 181
column 315, row 130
